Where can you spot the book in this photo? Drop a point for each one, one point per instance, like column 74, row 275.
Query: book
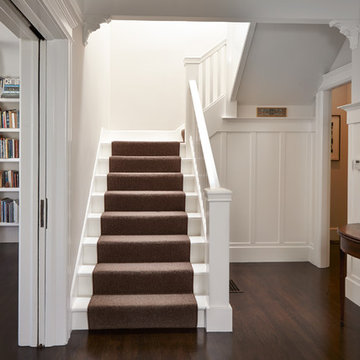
column 9, row 211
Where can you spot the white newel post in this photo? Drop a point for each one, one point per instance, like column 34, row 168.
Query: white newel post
column 192, row 73
column 219, row 313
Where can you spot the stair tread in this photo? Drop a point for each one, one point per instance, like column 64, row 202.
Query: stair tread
column 141, row 214
column 87, row 270
column 81, row 304
column 146, row 192
column 144, row 213
column 93, row 240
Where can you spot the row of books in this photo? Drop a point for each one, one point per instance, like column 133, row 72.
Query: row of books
column 9, row 211
column 10, row 87
column 9, row 148
column 9, row 119
column 9, row 179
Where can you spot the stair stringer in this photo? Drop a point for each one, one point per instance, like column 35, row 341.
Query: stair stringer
column 83, row 272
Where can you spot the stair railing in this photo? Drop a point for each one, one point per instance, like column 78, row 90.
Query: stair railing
column 214, row 200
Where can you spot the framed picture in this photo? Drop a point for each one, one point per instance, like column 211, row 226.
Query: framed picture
column 335, row 137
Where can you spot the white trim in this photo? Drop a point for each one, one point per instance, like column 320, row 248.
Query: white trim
column 28, row 225
column 336, row 77
column 319, row 255
column 200, row 59
column 204, row 137
column 352, row 289
column 57, row 292
column 243, row 60
column 350, row 29
column 268, row 253
column 73, row 294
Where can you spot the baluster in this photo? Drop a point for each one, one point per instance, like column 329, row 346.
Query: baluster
column 203, row 84
column 211, row 79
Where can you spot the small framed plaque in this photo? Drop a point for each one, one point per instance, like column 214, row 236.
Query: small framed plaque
column 271, row 112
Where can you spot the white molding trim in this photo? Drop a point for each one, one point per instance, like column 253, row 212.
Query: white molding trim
column 350, row 29
column 57, row 188
column 92, row 24
column 352, row 289
column 336, row 77
column 268, row 253
column 243, row 60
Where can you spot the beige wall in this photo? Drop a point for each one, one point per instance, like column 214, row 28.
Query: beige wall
column 338, row 211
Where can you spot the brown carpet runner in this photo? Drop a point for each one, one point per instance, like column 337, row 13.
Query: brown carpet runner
column 143, row 278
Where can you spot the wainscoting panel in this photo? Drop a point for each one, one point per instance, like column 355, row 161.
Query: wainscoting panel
column 238, row 160
column 297, row 172
column 271, row 176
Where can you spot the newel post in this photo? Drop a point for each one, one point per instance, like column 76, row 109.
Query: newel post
column 219, row 313
column 191, row 73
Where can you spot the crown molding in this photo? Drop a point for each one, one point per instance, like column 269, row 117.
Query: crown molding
column 349, row 28
column 92, row 24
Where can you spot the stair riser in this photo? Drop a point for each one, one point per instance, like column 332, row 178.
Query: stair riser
column 102, row 166
column 197, row 253
column 105, row 150
column 100, row 184
column 94, row 227
column 97, row 204
column 80, row 320
column 85, row 286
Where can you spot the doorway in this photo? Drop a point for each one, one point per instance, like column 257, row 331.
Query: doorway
column 340, row 95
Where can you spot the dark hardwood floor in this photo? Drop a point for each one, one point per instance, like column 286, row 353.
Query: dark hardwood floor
column 287, row 311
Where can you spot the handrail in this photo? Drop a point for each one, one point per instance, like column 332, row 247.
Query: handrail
column 200, row 59
column 204, row 136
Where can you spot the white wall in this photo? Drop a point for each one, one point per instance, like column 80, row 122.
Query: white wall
column 147, row 70
column 267, row 163
column 90, row 112
column 343, row 57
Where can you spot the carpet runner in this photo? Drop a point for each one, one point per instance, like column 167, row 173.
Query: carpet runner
column 143, row 278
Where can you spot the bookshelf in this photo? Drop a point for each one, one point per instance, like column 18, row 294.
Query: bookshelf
column 9, row 230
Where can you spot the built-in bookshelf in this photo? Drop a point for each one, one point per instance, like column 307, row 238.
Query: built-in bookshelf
column 9, row 168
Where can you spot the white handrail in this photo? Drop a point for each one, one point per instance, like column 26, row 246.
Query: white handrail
column 200, row 59
column 204, row 136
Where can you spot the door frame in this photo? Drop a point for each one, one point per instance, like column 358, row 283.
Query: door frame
column 55, row 24
column 319, row 253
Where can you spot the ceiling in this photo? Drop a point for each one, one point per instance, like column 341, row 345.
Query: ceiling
column 286, row 62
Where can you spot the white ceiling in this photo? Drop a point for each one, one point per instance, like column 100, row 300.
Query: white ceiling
column 286, row 62
column 319, row 11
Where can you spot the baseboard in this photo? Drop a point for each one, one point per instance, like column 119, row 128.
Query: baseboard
column 267, row 253
column 352, row 291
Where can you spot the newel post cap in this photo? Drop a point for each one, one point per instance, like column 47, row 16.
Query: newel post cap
column 218, row 195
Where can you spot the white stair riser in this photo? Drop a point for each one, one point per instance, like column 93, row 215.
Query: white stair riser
column 85, row 285
column 80, row 320
column 93, row 227
column 105, row 150
column 97, row 203
column 197, row 253
column 100, row 183
column 102, row 166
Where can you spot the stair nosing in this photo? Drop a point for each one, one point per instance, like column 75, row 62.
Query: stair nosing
column 201, row 300
column 199, row 269
column 93, row 240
